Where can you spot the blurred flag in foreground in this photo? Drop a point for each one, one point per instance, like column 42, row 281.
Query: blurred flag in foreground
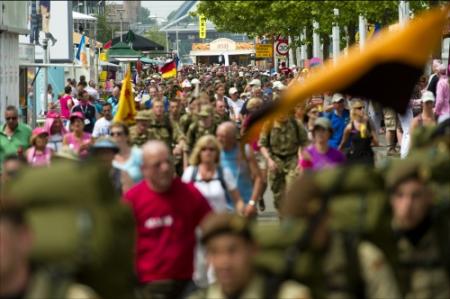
column 169, row 70
column 126, row 110
column 385, row 71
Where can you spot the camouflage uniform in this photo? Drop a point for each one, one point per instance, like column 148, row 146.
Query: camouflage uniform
column 186, row 120
column 165, row 130
column 324, row 210
column 283, row 141
column 225, row 223
column 422, row 263
column 198, row 128
column 135, row 137
column 218, row 119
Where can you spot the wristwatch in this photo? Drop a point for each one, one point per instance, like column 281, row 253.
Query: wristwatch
column 252, row 203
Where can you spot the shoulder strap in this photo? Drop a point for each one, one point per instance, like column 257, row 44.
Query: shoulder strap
column 194, row 174
column 297, row 129
column 221, row 178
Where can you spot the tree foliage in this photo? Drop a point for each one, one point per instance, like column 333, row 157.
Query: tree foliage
column 288, row 18
column 144, row 16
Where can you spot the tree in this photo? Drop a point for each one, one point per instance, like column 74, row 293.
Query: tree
column 144, row 16
column 155, row 35
column 105, row 29
column 288, row 18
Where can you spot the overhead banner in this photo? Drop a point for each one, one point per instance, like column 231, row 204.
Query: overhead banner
column 263, row 50
column 202, row 26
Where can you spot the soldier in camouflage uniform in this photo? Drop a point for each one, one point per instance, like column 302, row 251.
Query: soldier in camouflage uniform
column 204, row 125
column 236, row 276
column 280, row 146
column 220, row 113
column 190, row 116
column 161, row 128
column 420, row 226
column 326, row 206
column 139, row 133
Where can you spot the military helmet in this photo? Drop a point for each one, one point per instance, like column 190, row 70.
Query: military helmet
column 143, row 115
column 206, row 111
column 225, row 223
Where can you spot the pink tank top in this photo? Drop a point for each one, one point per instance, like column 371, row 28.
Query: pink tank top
column 39, row 159
column 75, row 144
column 65, row 111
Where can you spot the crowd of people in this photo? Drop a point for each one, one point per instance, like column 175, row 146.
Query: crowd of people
column 182, row 161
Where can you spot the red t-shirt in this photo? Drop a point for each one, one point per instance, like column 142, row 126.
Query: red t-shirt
column 166, row 224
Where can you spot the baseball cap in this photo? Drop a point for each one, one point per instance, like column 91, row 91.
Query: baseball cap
column 323, row 122
column 337, row 97
column 427, row 96
column 232, row 90
column 278, row 85
column 255, row 82
column 76, row 115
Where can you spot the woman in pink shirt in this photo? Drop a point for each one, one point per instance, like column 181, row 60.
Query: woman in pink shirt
column 39, row 154
column 442, row 106
column 66, row 102
column 78, row 140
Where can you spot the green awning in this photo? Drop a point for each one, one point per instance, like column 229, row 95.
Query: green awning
column 151, row 61
column 122, row 50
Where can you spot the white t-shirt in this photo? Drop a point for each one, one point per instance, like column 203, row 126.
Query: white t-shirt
column 235, row 106
column 92, row 92
column 101, row 127
column 212, row 190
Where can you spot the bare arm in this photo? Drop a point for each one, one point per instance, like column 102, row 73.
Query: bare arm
column 345, row 137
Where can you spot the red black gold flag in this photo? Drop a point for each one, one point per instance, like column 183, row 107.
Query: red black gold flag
column 385, row 71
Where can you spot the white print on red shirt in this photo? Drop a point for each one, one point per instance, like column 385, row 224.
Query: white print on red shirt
column 156, row 222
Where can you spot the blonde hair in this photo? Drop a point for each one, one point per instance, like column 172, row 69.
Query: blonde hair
column 254, row 103
column 200, row 144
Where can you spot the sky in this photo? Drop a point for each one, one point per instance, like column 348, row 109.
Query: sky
column 161, row 8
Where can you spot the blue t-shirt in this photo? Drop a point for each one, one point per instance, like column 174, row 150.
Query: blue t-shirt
column 133, row 165
column 232, row 161
column 114, row 103
column 338, row 123
column 149, row 104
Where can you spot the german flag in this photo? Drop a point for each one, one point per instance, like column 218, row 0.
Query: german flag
column 169, row 70
column 126, row 110
column 385, row 71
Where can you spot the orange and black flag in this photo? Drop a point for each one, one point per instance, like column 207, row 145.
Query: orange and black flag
column 385, row 71
column 126, row 110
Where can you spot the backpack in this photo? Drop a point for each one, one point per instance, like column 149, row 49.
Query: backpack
column 81, row 229
column 220, row 177
column 355, row 199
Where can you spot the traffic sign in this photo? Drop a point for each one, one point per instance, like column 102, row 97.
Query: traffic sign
column 263, row 50
column 282, row 48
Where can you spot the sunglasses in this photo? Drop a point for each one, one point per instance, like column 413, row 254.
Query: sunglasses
column 11, row 118
column 359, row 108
column 211, row 149
column 116, row 134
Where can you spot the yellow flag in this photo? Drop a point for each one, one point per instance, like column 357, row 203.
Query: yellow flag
column 126, row 110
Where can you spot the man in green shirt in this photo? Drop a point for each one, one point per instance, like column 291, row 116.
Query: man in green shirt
column 14, row 135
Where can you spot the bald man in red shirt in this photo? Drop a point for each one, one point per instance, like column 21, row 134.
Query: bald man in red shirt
column 167, row 213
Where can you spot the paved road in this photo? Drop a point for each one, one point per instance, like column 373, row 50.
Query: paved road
column 270, row 214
